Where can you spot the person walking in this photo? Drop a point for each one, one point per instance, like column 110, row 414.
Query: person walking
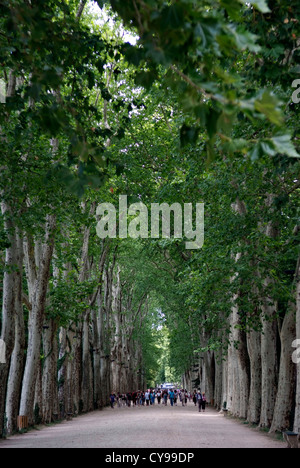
column 158, row 397
column 172, row 396
column 112, row 400
column 165, row 396
column 199, row 401
column 175, row 397
column 147, row 398
column 195, row 398
column 129, row 398
column 182, row 397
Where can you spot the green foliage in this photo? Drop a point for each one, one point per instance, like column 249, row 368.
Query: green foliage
column 68, row 300
column 195, row 45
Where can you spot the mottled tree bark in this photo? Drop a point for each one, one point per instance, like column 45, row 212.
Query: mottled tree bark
column 17, row 358
column 36, row 319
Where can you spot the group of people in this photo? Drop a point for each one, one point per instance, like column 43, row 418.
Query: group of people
column 162, row 396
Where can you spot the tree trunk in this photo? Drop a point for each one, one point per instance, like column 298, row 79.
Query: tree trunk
column 297, row 402
column 97, row 318
column 286, row 382
column 225, row 383
column 64, row 352
column 218, row 382
column 8, row 305
column 87, row 374
column 254, row 350
column 208, row 362
column 241, row 384
column 49, row 371
column 36, row 322
column 17, row 359
column 233, row 368
column 38, row 395
column 269, row 361
column 117, row 338
column 269, row 340
column 239, row 368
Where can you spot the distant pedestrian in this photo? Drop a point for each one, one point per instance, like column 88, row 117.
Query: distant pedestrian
column 112, row 399
column 147, row 397
column 172, row 396
column 158, row 397
column 129, row 398
column 165, row 397
column 199, row 401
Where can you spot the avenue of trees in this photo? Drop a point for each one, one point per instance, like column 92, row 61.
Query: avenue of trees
column 200, row 106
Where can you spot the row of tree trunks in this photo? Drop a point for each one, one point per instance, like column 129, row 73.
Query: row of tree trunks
column 260, row 392
column 258, row 380
column 80, row 364
column 297, row 398
column 250, row 381
column 9, row 295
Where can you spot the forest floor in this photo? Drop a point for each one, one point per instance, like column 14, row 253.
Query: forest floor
column 148, row 428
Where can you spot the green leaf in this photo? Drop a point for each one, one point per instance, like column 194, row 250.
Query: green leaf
column 260, row 5
column 284, row 145
column 268, row 148
column 238, row 144
column 267, row 104
column 255, row 153
column 232, row 8
column 198, row 31
column 245, row 40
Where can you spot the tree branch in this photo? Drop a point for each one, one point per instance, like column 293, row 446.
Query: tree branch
column 80, row 9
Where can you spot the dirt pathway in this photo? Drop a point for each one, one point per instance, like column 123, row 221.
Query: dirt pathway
column 149, row 428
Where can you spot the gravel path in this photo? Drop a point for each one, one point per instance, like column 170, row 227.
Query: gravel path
column 148, row 428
